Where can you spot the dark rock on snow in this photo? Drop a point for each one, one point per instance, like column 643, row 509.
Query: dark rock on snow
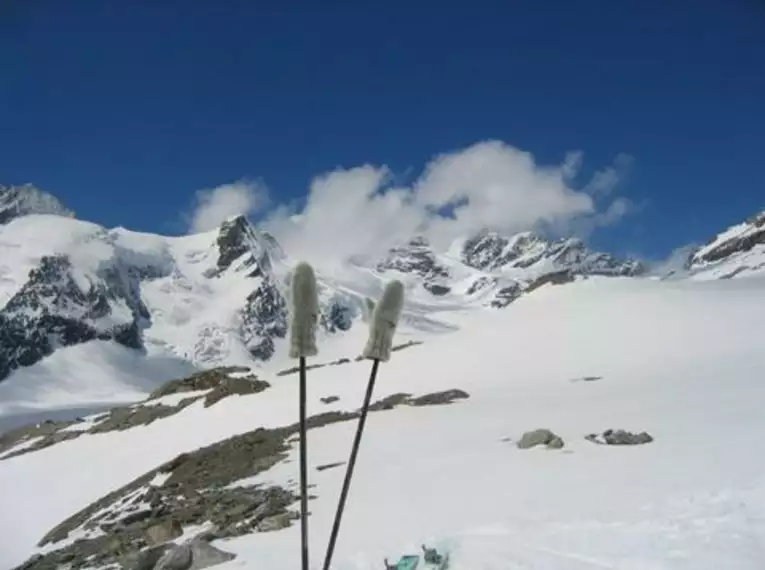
column 51, row 310
column 540, row 437
column 620, row 437
column 217, row 382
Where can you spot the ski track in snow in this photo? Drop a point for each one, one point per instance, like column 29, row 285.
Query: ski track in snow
column 682, row 360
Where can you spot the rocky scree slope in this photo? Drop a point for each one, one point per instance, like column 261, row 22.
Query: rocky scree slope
column 203, row 491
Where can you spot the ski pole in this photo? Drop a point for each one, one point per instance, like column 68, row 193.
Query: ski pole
column 305, row 310
column 378, row 349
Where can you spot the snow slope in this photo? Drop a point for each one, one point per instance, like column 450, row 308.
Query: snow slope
column 98, row 373
column 682, row 360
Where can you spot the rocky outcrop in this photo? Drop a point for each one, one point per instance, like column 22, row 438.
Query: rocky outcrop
column 265, row 315
column 337, row 315
column 540, row 437
column 490, row 251
column 620, row 437
column 218, row 382
column 438, row 398
column 56, row 308
column 734, row 241
column 264, row 318
column 481, row 284
column 239, row 241
column 519, row 263
column 506, row 295
column 416, row 257
column 436, row 289
column 203, row 488
column 210, row 386
column 194, row 554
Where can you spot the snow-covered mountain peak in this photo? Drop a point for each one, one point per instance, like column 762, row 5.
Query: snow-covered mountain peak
column 221, row 297
column 736, row 239
column 16, row 201
column 239, row 241
column 490, row 251
column 737, row 251
column 417, row 257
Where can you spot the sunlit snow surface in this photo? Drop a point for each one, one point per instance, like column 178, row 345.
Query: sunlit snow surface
column 682, row 360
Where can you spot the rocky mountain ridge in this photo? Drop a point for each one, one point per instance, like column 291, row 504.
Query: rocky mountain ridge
column 222, row 298
column 738, row 251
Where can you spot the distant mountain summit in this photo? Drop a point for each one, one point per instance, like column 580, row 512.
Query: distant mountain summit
column 222, row 297
column 27, row 199
column 738, row 251
column 491, row 251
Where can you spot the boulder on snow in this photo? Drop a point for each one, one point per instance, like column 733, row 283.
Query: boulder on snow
column 195, row 554
column 204, row 555
column 145, row 559
column 177, row 558
column 540, row 437
column 168, row 529
column 620, row 437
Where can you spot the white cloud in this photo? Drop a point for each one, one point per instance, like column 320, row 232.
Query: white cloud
column 362, row 212
column 497, row 187
column 214, row 206
column 346, row 214
column 604, row 181
column 358, row 211
column 614, row 213
column 572, row 164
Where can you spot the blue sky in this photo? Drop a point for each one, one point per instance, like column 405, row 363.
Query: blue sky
column 125, row 109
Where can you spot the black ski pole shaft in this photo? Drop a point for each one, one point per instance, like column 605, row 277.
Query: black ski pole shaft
column 303, row 469
column 351, row 464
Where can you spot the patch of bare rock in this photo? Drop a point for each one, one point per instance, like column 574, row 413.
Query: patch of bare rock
column 133, row 527
column 218, row 383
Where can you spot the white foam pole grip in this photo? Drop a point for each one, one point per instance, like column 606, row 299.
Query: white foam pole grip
column 305, row 312
column 384, row 321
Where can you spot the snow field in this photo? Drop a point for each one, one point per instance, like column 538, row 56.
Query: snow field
column 681, row 360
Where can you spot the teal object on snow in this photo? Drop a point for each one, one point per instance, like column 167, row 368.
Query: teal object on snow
column 408, row 562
